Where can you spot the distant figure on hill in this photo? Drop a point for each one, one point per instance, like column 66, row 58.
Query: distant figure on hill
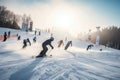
column 68, row 44
column 19, row 37
column 9, row 34
column 24, row 43
column 28, row 40
column 89, row 47
column 35, row 32
column 44, row 46
column 39, row 32
column 5, row 37
column 34, row 39
column 101, row 49
column 60, row 43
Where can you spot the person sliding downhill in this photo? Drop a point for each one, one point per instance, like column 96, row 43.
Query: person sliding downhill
column 68, row 44
column 44, row 46
column 60, row 43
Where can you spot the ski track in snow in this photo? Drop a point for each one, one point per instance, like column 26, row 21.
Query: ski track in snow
column 73, row 64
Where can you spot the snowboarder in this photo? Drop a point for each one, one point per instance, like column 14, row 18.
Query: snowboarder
column 60, row 43
column 89, row 47
column 44, row 46
column 34, row 39
column 28, row 41
column 24, row 43
column 68, row 44
column 5, row 37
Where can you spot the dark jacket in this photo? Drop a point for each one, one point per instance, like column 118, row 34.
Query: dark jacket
column 47, row 42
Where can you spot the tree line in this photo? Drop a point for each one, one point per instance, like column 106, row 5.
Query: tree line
column 109, row 37
column 8, row 19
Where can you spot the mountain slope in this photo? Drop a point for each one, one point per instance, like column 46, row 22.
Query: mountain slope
column 73, row 64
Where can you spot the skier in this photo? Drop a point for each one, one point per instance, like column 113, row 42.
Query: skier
column 19, row 37
column 34, row 39
column 60, row 43
column 28, row 41
column 35, row 32
column 68, row 44
column 89, row 47
column 5, row 37
column 45, row 49
column 24, row 43
column 39, row 32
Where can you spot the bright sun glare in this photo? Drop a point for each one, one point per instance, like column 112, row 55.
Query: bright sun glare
column 72, row 19
column 63, row 18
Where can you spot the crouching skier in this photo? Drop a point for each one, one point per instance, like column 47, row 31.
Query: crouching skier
column 89, row 46
column 44, row 46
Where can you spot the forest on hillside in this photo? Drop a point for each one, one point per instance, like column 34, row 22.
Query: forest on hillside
column 109, row 36
column 8, row 19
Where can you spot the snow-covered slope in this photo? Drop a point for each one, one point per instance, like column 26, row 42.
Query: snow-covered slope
column 73, row 64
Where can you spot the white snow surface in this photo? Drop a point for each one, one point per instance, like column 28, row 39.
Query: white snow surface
column 75, row 63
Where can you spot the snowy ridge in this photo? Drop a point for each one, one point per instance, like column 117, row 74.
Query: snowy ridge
column 74, row 64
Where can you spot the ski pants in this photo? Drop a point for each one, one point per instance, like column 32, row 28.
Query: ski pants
column 43, row 52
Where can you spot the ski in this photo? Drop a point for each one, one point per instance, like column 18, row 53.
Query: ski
column 48, row 56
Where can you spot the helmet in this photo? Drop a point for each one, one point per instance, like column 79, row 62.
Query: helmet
column 52, row 38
